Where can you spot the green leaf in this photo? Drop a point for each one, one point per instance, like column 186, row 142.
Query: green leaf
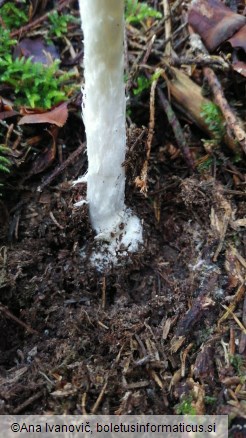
column 142, row 84
column 136, row 12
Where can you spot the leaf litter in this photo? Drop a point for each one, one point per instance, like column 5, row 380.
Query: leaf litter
column 163, row 333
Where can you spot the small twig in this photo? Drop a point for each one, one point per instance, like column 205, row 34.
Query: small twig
column 99, row 399
column 83, row 403
column 59, row 169
column 217, row 252
column 138, row 139
column 232, row 342
column 180, row 43
column 14, row 318
column 55, row 221
column 163, row 189
column 184, row 355
column 144, row 55
column 234, row 192
column 229, row 166
column 177, row 130
column 234, row 124
column 139, row 340
column 242, row 343
column 168, row 28
column 175, row 5
column 39, row 20
column 156, row 378
column 100, row 323
column 141, row 181
column 199, row 306
column 28, row 402
column 199, row 62
column 103, row 292
column 239, row 323
column 5, row 125
column 165, row 18
column 149, row 48
column 151, row 118
column 171, row 37
column 232, row 121
column 237, row 298
column 239, row 257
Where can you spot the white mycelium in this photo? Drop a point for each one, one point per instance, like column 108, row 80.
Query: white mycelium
column 104, row 107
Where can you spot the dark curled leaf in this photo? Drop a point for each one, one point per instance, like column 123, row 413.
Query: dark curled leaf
column 214, row 22
column 199, row 306
column 204, row 364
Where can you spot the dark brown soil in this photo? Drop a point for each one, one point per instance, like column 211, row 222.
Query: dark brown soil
column 150, row 336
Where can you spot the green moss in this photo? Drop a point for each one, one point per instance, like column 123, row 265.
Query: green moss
column 185, row 406
column 136, row 12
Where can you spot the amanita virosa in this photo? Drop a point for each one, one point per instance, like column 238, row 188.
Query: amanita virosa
column 103, row 109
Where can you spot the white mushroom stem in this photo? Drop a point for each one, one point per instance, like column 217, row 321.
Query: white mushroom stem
column 104, row 108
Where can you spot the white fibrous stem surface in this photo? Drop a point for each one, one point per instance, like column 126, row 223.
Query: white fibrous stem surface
column 103, row 109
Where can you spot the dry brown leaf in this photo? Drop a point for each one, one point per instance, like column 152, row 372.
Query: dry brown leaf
column 242, row 343
column 238, row 223
column 221, row 214
column 199, row 395
column 214, row 22
column 6, row 109
column 166, row 328
column 57, row 116
column 176, row 343
column 239, row 39
column 240, row 67
column 36, row 48
column 204, row 364
column 46, row 158
column 233, row 269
